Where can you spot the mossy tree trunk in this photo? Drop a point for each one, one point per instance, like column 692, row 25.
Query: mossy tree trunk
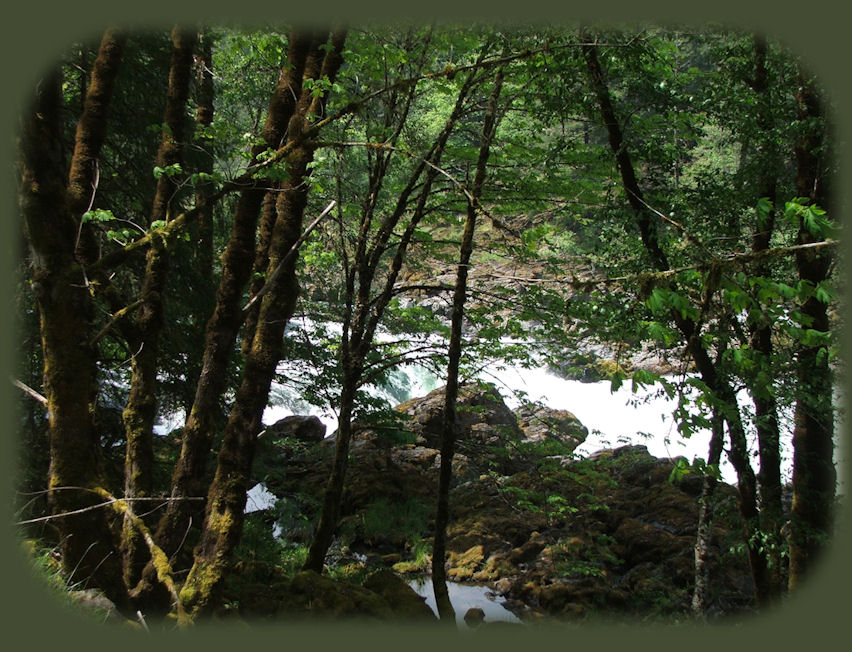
column 141, row 410
column 90, row 135
column 227, row 493
column 87, row 542
column 448, row 429
column 814, row 475
column 188, row 479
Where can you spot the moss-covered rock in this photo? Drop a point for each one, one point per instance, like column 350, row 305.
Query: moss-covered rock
column 404, row 601
column 312, row 594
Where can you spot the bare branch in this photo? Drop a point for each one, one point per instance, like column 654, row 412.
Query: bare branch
column 286, row 257
column 29, row 390
column 120, row 314
column 728, row 259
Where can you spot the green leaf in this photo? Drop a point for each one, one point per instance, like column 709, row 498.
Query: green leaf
column 169, row 171
column 98, row 215
column 764, row 210
column 824, row 292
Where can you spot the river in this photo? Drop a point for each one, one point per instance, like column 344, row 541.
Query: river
column 613, row 418
column 464, row 597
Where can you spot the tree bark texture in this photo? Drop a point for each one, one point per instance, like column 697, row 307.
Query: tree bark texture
column 87, row 544
column 188, row 479
column 140, row 412
column 90, row 136
column 227, row 494
column 814, row 475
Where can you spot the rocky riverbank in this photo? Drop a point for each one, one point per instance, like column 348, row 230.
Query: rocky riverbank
column 555, row 536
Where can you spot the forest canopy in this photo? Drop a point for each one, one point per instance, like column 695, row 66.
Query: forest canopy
column 217, row 219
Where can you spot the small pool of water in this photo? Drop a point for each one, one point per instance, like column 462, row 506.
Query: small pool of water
column 464, row 597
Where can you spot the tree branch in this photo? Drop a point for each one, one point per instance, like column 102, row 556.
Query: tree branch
column 29, row 390
column 293, row 249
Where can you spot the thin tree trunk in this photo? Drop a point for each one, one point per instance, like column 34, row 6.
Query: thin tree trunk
column 814, row 475
column 701, row 592
column 761, row 390
column 360, row 328
column 227, row 494
column 141, row 410
column 719, row 385
column 202, row 253
column 448, row 429
column 268, row 217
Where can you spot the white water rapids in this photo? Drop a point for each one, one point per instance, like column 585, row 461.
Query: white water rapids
column 613, row 418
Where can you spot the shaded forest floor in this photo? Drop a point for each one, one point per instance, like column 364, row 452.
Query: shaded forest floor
column 555, row 538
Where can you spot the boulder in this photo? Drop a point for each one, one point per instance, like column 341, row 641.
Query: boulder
column 541, row 423
column 308, row 429
column 474, row 617
column 402, row 598
column 310, row 593
column 483, row 417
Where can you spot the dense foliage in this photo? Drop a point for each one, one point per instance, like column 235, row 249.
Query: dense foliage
column 284, row 225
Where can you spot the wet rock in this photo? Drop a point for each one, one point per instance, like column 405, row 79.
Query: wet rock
column 474, row 617
column 483, row 418
column 415, row 457
column 541, row 423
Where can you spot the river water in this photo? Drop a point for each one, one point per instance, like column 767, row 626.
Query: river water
column 464, row 597
column 613, row 418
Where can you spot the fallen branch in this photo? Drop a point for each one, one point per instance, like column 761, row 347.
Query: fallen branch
column 42, row 519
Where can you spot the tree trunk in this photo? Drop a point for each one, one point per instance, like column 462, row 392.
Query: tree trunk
column 719, row 385
column 203, row 252
column 90, row 136
column 87, row 543
column 761, row 389
column 360, row 327
column 701, row 592
column 448, row 430
column 814, row 475
column 188, row 479
column 140, row 413
column 227, row 494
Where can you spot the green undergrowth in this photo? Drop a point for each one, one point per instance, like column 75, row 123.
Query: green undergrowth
column 49, row 574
